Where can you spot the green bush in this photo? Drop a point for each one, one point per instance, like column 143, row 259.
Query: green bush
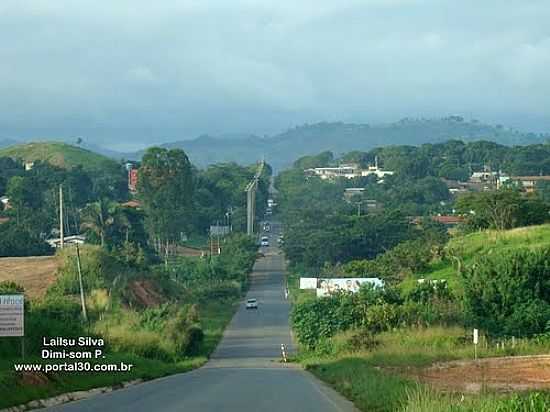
column 509, row 293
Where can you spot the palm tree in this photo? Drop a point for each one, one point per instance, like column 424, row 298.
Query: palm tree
column 98, row 217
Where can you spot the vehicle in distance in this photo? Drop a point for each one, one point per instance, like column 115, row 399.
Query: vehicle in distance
column 264, row 241
column 252, row 304
column 267, row 227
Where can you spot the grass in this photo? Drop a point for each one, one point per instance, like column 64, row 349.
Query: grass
column 469, row 246
column 426, row 400
column 59, row 154
column 375, row 378
column 126, row 343
column 197, row 241
column 215, row 316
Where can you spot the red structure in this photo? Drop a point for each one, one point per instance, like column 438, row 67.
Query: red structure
column 132, row 180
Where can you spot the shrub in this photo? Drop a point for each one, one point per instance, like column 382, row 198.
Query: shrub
column 509, row 294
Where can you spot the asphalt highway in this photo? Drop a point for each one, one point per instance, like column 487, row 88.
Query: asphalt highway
column 245, row 373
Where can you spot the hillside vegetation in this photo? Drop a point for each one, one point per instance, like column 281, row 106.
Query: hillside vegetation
column 488, row 242
column 58, row 154
column 282, row 149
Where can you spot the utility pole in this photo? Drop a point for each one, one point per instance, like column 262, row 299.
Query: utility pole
column 82, row 300
column 61, row 232
column 251, row 200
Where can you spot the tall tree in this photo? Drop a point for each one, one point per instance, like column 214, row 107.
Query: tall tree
column 165, row 187
column 98, row 217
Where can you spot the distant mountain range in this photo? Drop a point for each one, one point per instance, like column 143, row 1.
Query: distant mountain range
column 283, row 149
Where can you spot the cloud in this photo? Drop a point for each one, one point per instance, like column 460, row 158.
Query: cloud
column 150, row 71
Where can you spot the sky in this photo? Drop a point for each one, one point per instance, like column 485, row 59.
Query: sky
column 127, row 73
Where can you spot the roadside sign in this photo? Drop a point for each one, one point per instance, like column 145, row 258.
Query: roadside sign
column 476, row 336
column 12, row 312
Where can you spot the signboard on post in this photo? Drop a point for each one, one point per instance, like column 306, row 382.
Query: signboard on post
column 12, row 312
column 476, row 341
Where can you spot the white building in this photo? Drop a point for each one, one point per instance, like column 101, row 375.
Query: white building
column 349, row 171
column 67, row 240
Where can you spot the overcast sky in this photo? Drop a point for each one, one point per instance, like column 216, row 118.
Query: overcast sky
column 131, row 72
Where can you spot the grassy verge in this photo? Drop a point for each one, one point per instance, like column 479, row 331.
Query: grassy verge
column 123, row 327
column 373, row 374
column 214, row 318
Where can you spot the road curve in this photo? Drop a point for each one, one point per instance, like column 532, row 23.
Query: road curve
column 244, row 373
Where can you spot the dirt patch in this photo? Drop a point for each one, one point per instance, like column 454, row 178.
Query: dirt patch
column 189, row 251
column 35, row 274
column 498, row 374
column 33, row 379
column 145, row 293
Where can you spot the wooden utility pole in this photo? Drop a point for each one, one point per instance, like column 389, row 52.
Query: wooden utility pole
column 82, row 300
column 61, row 231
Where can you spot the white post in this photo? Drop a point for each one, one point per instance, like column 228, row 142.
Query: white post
column 476, row 341
column 283, row 352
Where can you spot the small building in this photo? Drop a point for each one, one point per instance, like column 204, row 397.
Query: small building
column 29, row 166
column 529, row 183
column 349, row 171
column 449, row 221
column 67, row 241
column 350, row 192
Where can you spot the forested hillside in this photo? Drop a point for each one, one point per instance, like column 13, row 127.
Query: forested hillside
column 282, row 149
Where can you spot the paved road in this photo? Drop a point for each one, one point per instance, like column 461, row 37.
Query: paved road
column 245, row 372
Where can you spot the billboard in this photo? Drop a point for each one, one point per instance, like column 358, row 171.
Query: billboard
column 12, row 310
column 308, row 283
column 326, row 286
column 218, row 230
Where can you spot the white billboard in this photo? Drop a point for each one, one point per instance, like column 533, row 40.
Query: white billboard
column 12, row 310
column 326, row 286
column 308, row 283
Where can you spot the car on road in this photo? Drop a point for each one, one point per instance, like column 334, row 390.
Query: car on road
column 264, row 241
column 252, row 304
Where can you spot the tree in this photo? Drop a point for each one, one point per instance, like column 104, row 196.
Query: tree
column 502, row 209
column 18, row 241
column 165, row 187
column 509, row 293
column 98, row 217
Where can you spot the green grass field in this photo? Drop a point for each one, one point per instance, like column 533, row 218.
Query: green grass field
column 470, row 246
column 376, row 379
column 59, row 154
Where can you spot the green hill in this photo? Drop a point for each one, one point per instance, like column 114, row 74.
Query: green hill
column 468, row 247
column 59, row 154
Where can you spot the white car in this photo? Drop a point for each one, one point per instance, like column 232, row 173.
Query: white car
column 264, row 243
column 252, row 304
